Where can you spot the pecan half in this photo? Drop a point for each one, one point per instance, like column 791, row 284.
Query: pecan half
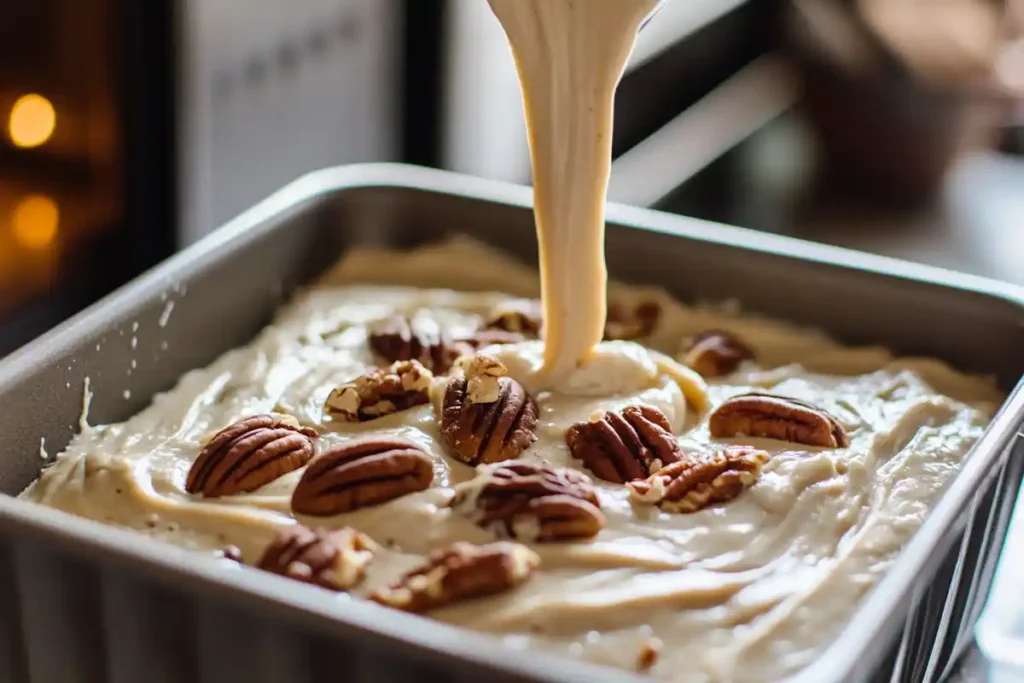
column 418, row 338
column 531, row 502
column 334, row 559
column 362, row 472
column 486, row 417
column 620, row 447
column 635, row 324
column 701, row 479
column 523, row 316
column 250, row 453
column 777, row 417
column 402, row 385
column 715, row 353
column 461, row 571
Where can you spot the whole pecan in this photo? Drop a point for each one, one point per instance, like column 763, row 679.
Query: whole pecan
column 250, row 453
column 620, row 447
column 362, row 472
column 635, row 324
column 777, row 417
column 402, row 385
column 460, row 572
column 522, row 316
column 334, row 559
column 531, row 502
column 417, row 338
column 486, row 417
column 715, row 353
column 701, row 479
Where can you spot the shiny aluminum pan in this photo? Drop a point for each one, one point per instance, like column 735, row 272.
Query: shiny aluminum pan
column 81, row 602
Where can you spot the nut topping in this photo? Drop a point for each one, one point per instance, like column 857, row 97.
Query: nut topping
column 523, row 316
column 362, row 472
column 777, row 417
column 461, row 571
column 487, row 337
column 483, row 378
column 620, row 447
column 531, row 502
column 334, row 559
column 715, row 353
column 478, row 430
column 626, row 325
column 403, row 385
column 700, row 479
column 250, row 453
column 418, row 338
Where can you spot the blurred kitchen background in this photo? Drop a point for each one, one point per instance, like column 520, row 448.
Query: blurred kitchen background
column 130, row 129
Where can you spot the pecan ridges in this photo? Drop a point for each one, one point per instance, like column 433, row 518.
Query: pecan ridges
column 248, row 454
column 334, row 559
column 701, row 479
column 462, row 571
column 487, row 432
column 777, row 417
column 620, row 447
column 531, row 502
column 520, row 316
column 360, row 473
column 402, row 338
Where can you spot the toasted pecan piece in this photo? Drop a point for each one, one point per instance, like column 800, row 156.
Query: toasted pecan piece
column 521, row 316
column 620, row 447
column 486, row 417
column 716, row 352
column 623, row 324
column 402, row 385
column 250, row 453
column 334, row 559
column 418, row 338
column 362, row 472
column 531, row 502
column 777, row 417
column 701, row 479
column 461, row 571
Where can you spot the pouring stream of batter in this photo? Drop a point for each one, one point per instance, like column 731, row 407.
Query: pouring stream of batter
column 570, row 55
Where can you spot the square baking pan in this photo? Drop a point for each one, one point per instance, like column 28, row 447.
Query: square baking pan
column 81, row 602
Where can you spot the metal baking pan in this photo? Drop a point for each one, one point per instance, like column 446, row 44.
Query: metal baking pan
column 81, row 602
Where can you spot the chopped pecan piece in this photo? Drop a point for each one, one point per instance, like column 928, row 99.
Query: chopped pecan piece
column 418, row 338
column 486, row 417
column 250, row 453
column 620, row 447
column 402, row 385
column 531, row 502
column 522, row 316
column 701, row 479
column 777, row 417
column 334, row 559
column 715, row 353
column 362, row 472
column 461, row 571
column 626, row 325
column 232, row 553
column 648, row 656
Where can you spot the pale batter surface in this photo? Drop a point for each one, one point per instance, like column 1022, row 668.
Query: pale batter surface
column 744, row 591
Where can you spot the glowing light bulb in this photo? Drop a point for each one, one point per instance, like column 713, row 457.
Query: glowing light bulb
column 32, row 121
column 34, row 222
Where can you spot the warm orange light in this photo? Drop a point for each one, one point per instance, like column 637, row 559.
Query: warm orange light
column 34, row 222
column 32, row 121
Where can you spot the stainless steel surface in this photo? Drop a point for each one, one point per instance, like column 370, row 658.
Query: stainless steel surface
column 120, row 607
